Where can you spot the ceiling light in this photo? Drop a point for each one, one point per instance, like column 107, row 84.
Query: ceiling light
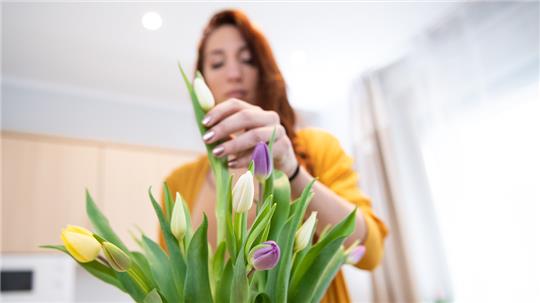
column 152, row 21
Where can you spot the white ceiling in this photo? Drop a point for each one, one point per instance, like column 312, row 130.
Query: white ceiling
column 103, row 46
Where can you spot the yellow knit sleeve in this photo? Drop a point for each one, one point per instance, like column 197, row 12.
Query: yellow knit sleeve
column 334, row 168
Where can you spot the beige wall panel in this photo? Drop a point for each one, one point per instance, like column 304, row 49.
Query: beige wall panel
column 128, row 173
column 43, row 185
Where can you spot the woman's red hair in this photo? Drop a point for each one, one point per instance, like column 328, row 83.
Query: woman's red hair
column 271, row 90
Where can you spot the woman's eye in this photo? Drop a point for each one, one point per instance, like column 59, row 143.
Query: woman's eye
column 216, row 65
column 249, row 61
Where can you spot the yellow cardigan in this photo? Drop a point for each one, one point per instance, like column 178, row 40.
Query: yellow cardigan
column 321, row 154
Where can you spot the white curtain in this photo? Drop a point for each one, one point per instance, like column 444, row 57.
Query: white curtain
column 447, row 139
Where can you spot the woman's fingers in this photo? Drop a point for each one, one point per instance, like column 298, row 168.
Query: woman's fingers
column 283, row 155
column 224, row 109
column 245, row 119
column 284, row 158
column 240, row 160
column 248, row 140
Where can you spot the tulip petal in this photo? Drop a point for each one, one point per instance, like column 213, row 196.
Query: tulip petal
column 356, row 254
column 118, row 259
column 262, row 160
column 303, row 235
column 243, row 193
column 82, row 247
column 266, row 256
column 203, row 93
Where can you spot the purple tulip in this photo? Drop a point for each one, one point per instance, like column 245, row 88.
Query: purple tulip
column 356, row 254
column 262, row 160
column 266, row 256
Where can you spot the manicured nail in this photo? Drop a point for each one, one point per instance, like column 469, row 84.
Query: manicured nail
column 208, row 135
column 218, row 150
column 206, row 120
column 232, row 163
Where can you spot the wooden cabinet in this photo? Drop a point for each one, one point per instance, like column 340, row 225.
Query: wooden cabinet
column 44, row 180
column 127, row 176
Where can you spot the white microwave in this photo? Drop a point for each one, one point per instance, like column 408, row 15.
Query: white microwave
column 37, row 278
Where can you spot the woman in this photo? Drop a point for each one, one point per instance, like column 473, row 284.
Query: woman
column 239, row 67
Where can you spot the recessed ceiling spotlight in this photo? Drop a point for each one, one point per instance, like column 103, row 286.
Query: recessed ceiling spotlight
column 152, row 21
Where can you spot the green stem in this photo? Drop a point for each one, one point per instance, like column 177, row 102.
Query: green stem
column 292, row 262
column 135, row 276
column 238, row 229
column 222, row 177
column 182, row 247
column 261, row 196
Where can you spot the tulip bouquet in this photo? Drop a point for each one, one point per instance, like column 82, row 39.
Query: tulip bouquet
column 275, row 259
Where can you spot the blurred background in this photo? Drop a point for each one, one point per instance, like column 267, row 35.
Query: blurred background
column 437, row 102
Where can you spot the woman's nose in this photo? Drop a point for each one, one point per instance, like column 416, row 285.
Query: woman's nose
column 234, row 72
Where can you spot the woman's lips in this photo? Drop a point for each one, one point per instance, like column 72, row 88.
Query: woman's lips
column 239, row 94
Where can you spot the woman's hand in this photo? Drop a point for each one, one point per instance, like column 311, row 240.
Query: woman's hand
column 241, row 126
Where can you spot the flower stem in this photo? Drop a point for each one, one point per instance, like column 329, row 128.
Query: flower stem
column 238, row 229
column 140, row 282
column 261, row 196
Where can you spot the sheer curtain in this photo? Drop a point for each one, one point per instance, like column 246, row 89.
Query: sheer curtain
column 447, row 139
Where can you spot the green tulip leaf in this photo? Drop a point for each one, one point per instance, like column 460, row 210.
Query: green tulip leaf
column 342, row 230
column 168, row 202
column 143, row 267
column 197, row 283
column 219, row 260
column 278, row 277
column 101, row 224
column 153, row 297
column 282, row 198
column 320, row 273
column 224, row 284
column 260, row 223
column 240, row 283
column 177, row 261
column 161, row 268
column 132, row 288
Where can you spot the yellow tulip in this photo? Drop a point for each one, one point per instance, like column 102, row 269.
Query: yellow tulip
column 80, row 243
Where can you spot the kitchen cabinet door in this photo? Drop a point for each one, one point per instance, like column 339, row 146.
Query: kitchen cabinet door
column 43, row 189
column 128, row 173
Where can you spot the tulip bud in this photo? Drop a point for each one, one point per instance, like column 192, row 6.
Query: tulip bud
column 117, row 258
column 303, row 234
column 203, row 93
column 153, row 297
column 264, row 256
column 178, row 218
column 80, row 243
column 355, row 254
column 263, row 161
column 243, row 193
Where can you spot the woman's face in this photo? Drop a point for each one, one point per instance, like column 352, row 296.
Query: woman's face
column 228, row 66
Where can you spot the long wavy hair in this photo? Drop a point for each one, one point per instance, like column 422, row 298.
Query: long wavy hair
column 271, row 91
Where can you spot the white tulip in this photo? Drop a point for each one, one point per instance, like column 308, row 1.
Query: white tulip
column 178, row 218
column 243, row 193
column 203, row 93
column 303, row 234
